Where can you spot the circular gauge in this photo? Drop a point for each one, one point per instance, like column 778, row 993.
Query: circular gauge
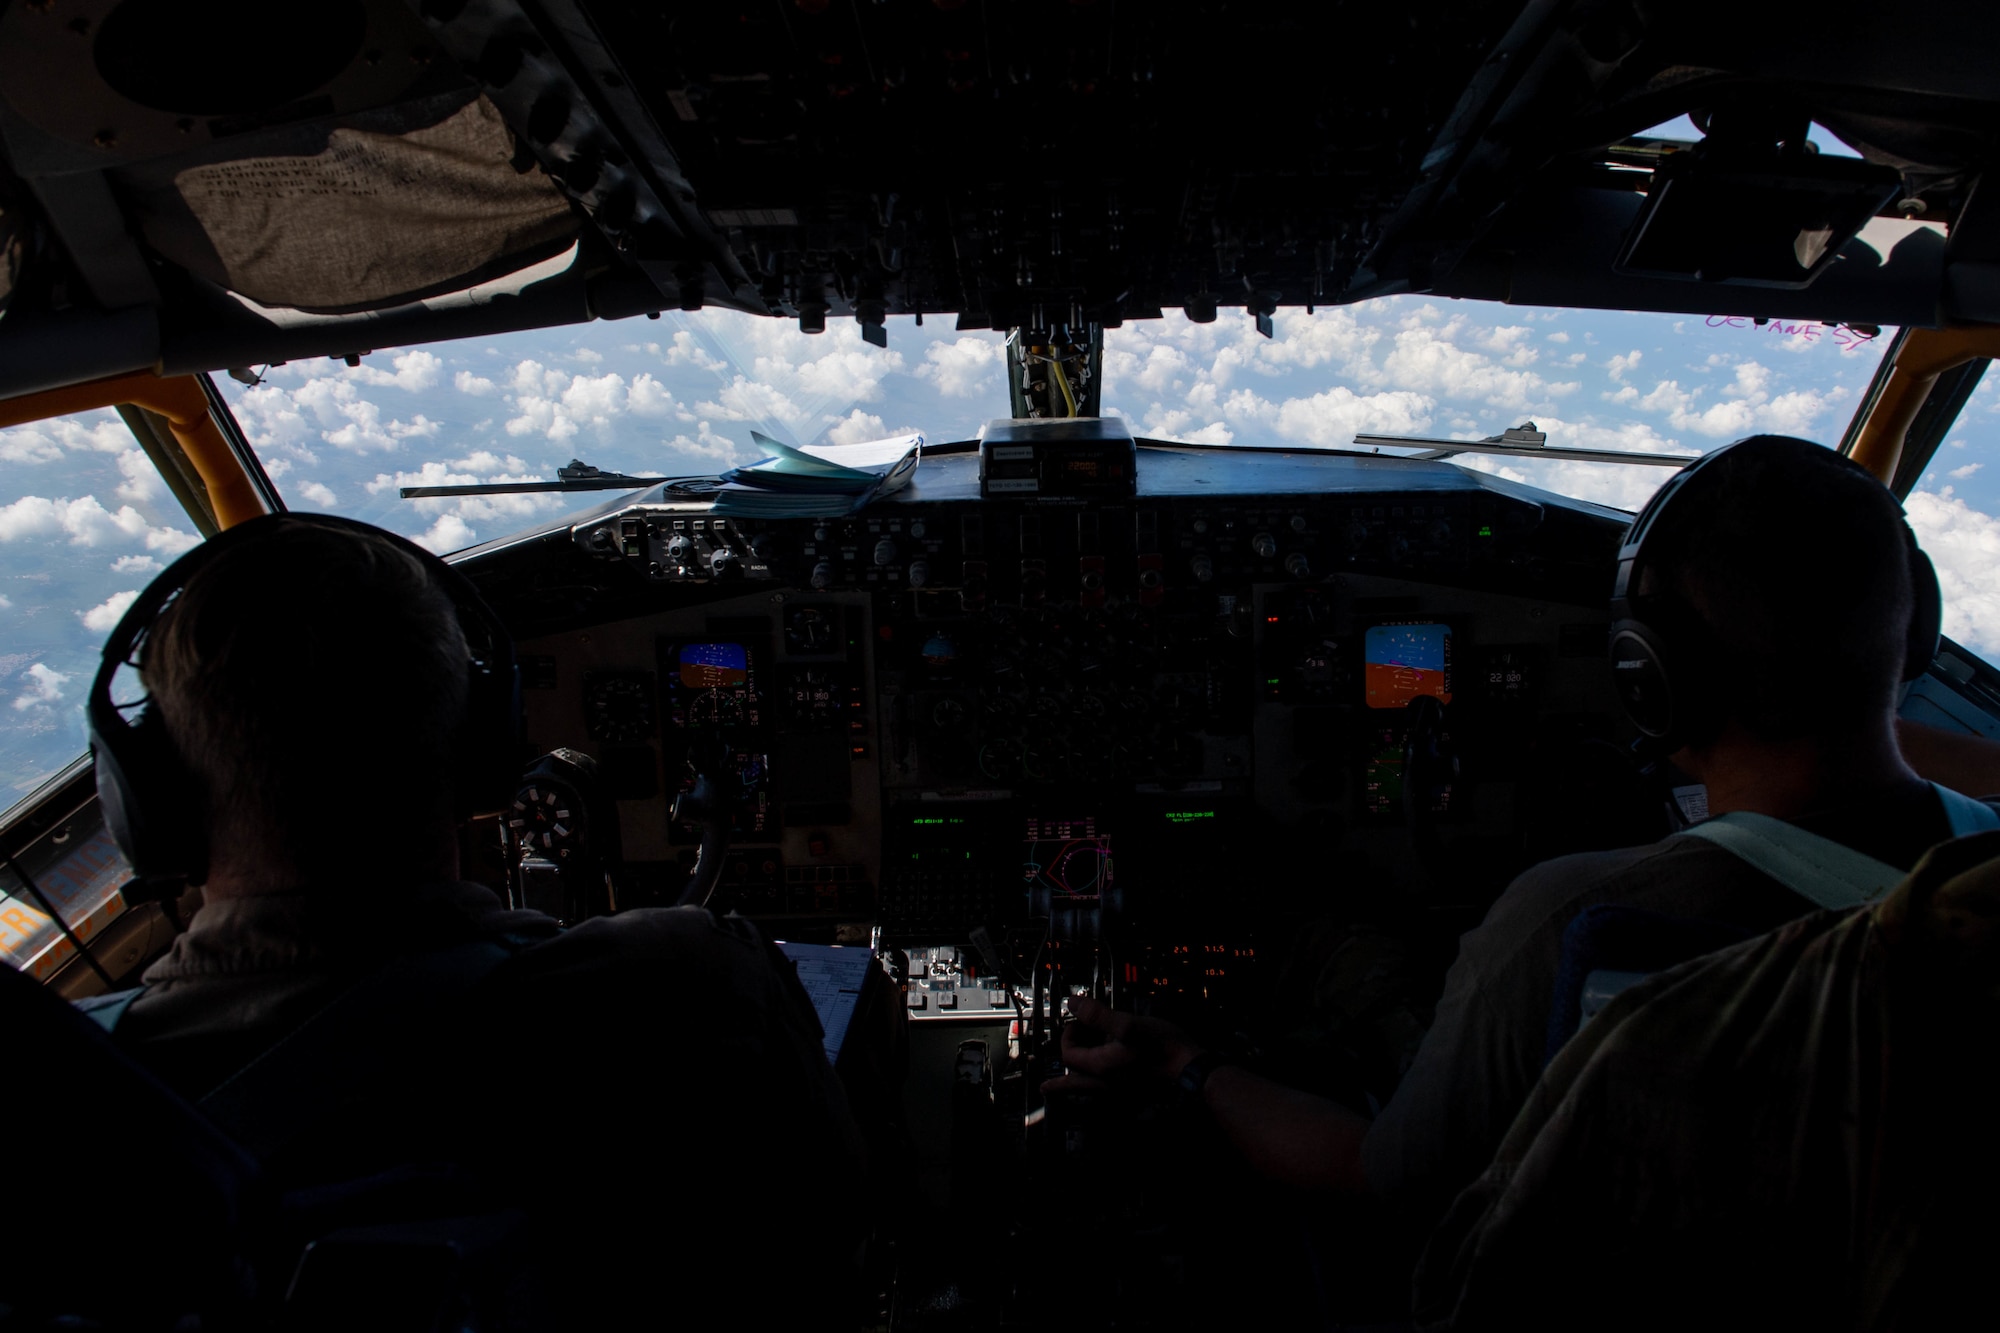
column 947, row 714
column 1000, row 760
column 545, row 821
column 618, row 708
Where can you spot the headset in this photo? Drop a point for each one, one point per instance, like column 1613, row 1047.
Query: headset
column 1652, row 647
column 150, row 800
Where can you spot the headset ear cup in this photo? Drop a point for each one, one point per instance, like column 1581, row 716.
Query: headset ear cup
column 150, row 802
column 1926, row 614
column 1645, row 685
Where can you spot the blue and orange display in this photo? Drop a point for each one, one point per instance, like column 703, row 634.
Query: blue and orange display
column 714, row 666
column 1404, row 662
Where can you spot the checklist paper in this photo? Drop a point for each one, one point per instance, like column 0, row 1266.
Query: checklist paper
column 832, row 977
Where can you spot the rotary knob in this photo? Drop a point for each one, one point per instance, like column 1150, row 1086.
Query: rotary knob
column 1297, row 565
column 885, row 551
column 1202, row 568
column 724, row 564
column 822, row 575
column 917, row 529
column 1298, row 523
column 1265, row 545
column 920, row 573
column 678, row 549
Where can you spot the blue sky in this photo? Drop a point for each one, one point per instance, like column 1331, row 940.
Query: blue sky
column 83, row 522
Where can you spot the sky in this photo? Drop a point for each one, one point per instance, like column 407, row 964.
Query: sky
column 84, row 521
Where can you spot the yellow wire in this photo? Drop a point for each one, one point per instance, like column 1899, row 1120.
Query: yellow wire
column 1062, row 382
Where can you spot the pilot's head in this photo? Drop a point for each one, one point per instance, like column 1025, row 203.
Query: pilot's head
column 311, row 680
column 1784, row 574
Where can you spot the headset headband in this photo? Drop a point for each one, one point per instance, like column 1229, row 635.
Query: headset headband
column 146, row 791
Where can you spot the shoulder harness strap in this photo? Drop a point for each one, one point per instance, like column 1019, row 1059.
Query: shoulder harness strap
column 1826, row 873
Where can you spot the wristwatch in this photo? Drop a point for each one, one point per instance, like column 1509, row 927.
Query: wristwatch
column 1194, row 1074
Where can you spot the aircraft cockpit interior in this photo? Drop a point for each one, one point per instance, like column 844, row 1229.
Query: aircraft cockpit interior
column 1072, row 705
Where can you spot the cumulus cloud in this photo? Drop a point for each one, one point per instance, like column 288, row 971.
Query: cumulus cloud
column 135, row 564
column 1961, row 473
column 558, row 406
column 478, row 386
column 4, row 603
column 1964, row 544
column 449, row 533
column 86, row 522
column 648, row 397
column 103, row 618
column 966, row 367
column 318, row 493
column 415, row 370
column 857, row 427
column 44, row 687
column 28, row 445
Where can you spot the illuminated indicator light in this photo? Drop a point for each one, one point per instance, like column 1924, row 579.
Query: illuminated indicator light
column 1271, row 680
column 1270, row 620
column 1485, row 530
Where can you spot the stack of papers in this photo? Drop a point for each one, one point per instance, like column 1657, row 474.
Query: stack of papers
column 818, row 479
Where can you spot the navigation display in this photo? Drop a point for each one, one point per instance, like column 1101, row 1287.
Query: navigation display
column 1404, row 662
column 1067, row 858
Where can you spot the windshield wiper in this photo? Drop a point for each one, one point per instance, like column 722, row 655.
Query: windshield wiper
column 1523, row 441
column 577, row 475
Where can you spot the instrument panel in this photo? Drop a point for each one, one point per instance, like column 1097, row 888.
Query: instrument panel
column 1263, row 686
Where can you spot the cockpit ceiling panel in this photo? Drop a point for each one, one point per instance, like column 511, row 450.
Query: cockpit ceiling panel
column 1043, row 163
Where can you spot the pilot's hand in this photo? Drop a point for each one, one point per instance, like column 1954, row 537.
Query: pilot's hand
column 1103, row 1045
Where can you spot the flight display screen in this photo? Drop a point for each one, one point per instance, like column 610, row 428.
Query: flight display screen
column 711, row 685
column 1069, row 858
column 714, row 666
column 1405, row 662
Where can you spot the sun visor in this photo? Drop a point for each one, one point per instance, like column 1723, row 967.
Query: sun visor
column 357, row 217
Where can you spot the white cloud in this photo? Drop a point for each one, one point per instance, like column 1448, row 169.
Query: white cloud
column 1961, row 473
column 85, row 522
column 103, row 618
column 319, row 493
column 45, row 686
column 4, row 603
column 1964, row 544
column 416, row 370
column 1557, row 337
column 648, row 397
column 1617, row 366
column 1332, row 419
column 135, row 564
column 478, row 386
column 28, row 445
column 449, row 533
column 688, row 352
column 857, row 427
column 965, row 368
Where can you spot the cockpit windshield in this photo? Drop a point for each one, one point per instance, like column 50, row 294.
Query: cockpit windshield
column 681, row 395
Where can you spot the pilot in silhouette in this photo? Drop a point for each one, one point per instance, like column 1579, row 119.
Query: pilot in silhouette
column 1789, row 576
column 343, row 1002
